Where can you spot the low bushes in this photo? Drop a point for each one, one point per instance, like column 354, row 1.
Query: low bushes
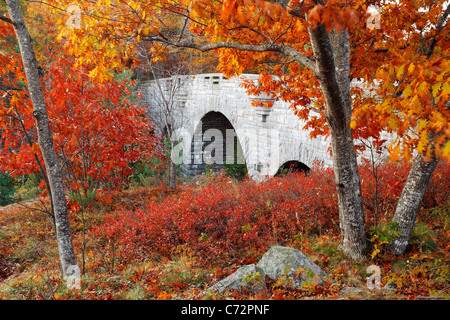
column 225, row 219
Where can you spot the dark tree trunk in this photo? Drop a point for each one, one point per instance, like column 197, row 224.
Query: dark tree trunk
column 332, row 53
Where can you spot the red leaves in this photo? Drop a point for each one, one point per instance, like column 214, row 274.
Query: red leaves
column 97, row 131
column 223, row 218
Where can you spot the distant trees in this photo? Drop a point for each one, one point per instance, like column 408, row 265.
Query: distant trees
column 167, row 108
column 6, row 189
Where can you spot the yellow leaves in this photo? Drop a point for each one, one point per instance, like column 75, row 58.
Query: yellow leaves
column 445, row 90
column 393, row 124
column 423, row 141
column 100, row 73
column 400, row 71
column 436, row 88
column 407, row 91
column 446, row 150
column 416, row 106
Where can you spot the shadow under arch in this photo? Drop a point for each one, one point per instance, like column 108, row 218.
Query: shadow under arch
column 215, row 146
column 292, row 166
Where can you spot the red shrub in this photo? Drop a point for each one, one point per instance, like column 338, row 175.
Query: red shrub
column 224, row 219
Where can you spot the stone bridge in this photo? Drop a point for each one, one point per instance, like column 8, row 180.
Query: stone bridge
column 215, row 123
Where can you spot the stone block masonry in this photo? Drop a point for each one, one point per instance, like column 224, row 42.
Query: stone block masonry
column 208, row 106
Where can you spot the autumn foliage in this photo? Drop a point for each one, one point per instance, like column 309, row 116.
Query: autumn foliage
column 218, row 226
column 402, row 76
column 401, row 63
column 222, row 221
column 99, row 132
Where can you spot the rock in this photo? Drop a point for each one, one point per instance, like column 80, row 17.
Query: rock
column 249, row 276
column 390, row 287
column 284, row 263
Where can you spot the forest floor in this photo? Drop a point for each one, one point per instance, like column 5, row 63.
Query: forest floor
column 145, row 268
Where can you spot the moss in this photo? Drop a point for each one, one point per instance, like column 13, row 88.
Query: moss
column 422, row 238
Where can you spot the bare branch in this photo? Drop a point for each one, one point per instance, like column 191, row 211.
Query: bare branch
column 3, row 18
column 266, row 47
column 253, row 30
column 439, row 28
column 285, row 31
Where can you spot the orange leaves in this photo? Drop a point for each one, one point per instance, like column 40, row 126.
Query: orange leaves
column 412, row 92
column 411, row 85
column 245, row 10
column 315, row 15
column 333, row 14
column 262, row 103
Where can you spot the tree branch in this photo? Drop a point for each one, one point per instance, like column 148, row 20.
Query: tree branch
column 266, row 47
column 439, row 28
column 3, row 18
column 253, row 30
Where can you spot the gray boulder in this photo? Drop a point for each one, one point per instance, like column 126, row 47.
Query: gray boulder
column 291, row 266
column 249, row 276
column 282, row 263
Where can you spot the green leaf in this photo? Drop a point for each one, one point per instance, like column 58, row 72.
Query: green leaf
column 446, row 88
column 436, row 89
column 400, row 71
column 407, row 91
column 375, row 251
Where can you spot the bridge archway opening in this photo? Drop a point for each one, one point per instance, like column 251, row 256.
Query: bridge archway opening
column 291, row 167
column 215, row 146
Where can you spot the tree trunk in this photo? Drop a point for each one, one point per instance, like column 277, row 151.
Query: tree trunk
column 172, row 169
column 410, row 200
column 45, row 139
column 332, row 55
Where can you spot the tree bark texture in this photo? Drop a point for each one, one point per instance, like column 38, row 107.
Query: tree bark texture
column 410, row 200
column 173, row 169
column 332, row 53
column 45, row 140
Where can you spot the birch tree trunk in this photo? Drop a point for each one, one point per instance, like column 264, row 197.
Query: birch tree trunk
column 408, row 205
column 332, row 53
column 45, row 139
column 173, row 167
column 410, row 200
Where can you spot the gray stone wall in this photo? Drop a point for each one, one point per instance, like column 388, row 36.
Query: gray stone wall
column 268, row 138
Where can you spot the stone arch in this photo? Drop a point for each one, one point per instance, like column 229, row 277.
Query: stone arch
column 292, row 166
column 215, row 145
